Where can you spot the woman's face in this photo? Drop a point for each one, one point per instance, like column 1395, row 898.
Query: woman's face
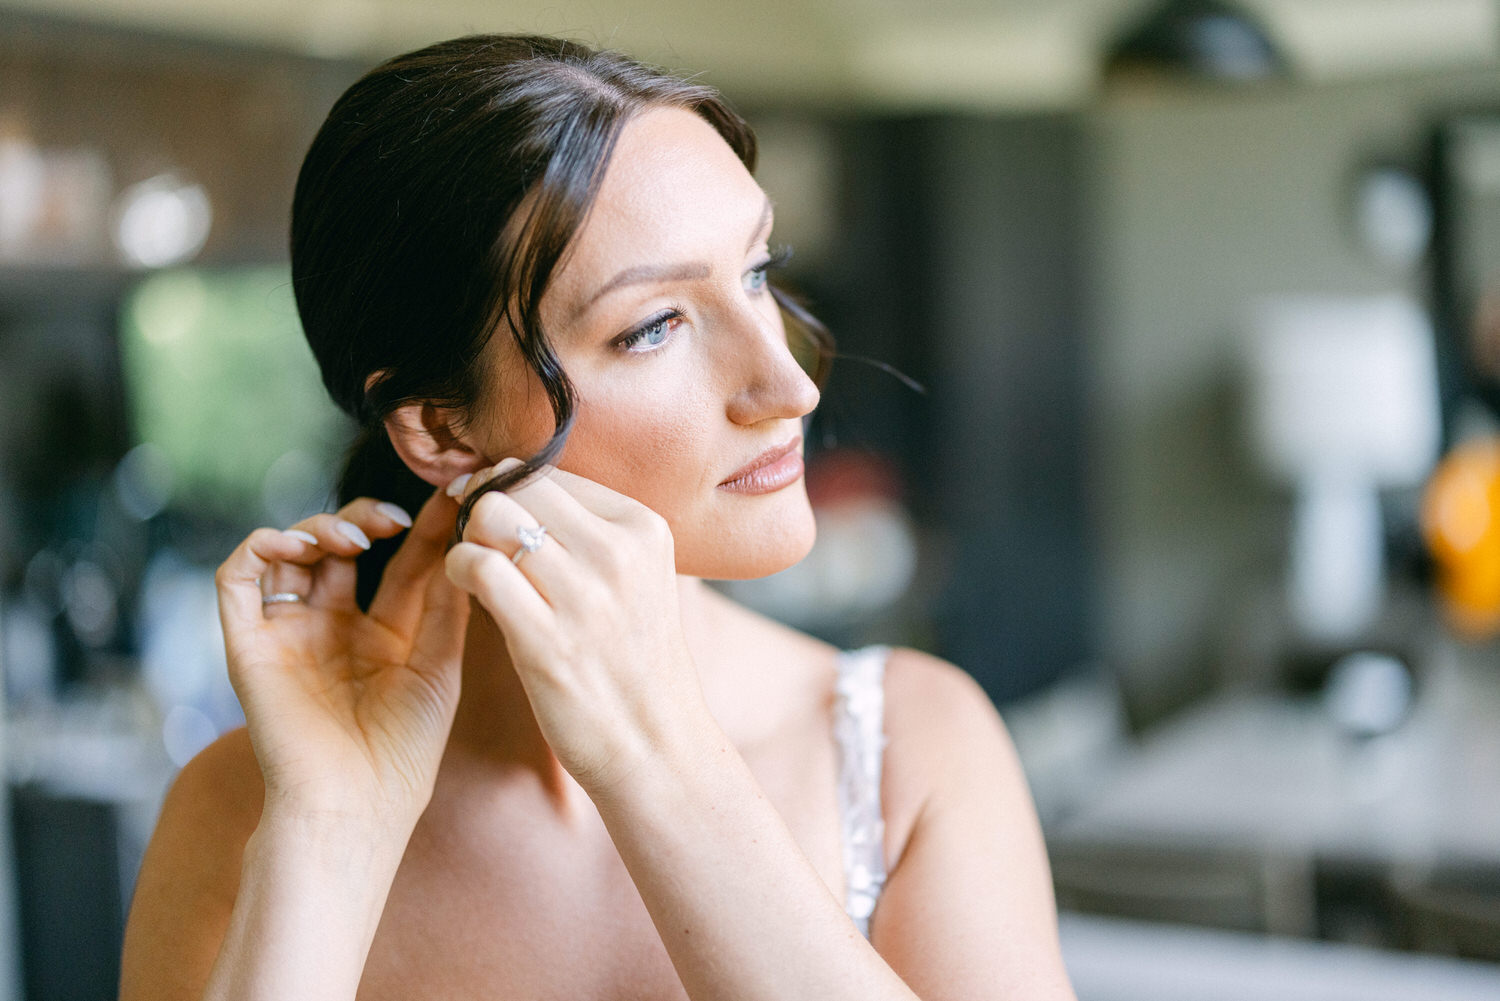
column 662, row 319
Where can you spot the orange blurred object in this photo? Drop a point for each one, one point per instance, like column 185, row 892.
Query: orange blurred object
column 1461, row 524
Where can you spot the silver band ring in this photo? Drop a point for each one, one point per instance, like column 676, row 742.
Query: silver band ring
column 531, row 541
column 282, row 598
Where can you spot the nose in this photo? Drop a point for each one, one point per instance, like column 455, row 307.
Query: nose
column 767, row 382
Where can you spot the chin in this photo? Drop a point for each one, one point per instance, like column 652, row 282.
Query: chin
column 743, row 553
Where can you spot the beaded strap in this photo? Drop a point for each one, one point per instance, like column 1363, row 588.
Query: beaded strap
column 858, row 721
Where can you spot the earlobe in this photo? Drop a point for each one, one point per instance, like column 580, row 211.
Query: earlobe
column 427, row 439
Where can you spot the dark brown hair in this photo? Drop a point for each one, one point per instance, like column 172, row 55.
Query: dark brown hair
column 435, row 204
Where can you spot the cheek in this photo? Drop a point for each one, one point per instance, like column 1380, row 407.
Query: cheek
column 655, row 454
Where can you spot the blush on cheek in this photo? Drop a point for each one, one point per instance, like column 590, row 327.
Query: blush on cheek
column 659, row 462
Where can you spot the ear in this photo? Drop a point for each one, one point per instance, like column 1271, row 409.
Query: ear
column 427, row 440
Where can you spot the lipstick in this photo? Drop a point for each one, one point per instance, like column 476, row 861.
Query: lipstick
column 770, row 471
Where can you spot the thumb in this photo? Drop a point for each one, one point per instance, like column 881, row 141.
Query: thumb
column 437, row 651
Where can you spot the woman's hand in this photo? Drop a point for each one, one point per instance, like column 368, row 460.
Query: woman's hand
column 590, row 616
column 348, row 711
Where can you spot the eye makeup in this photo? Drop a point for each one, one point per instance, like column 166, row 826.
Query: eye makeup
column 655, row 330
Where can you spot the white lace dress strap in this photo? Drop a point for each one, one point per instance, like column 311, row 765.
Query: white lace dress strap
column 858, row 726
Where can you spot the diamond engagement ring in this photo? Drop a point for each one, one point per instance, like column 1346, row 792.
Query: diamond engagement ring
column 531, row 541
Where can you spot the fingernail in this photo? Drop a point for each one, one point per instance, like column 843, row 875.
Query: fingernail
column 506, row 465
column 297, row 533
column 394, row 513
column 457, row 486
column 352, row 532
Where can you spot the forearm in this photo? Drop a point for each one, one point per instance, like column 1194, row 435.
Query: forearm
column 309, row 901
column 741, row 911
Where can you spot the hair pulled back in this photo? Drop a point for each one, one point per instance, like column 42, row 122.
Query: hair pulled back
column 433, row 208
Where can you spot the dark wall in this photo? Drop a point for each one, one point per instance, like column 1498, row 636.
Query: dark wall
column 961, row 265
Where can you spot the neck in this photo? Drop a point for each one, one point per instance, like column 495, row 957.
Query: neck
column 496, row 731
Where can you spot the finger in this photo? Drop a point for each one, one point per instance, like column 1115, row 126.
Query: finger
column 494, row 523
column 358, row 521
column 336, row 535
column 591, row 494
column 305, row 554
column 342, row 539
column 603, row 501
column 504, row 592
column 548, row 494
column 585, row 534
column 285, row 577
column 462, row 487
column 291, row 576
column 378, row 519
column 398, row 602
column 571, row 506
column 238, row 577
column 546, row 503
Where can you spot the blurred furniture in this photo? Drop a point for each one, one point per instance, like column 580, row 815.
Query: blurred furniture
column 71, row 911
column 1111, row 959
column 1235, row 889
column 83, row 790
column 1454, row 911
column 1269, row 783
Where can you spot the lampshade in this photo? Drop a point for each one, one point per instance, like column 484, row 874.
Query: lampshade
column 1346, row 388
column 1206, row 39
column 1343, row 403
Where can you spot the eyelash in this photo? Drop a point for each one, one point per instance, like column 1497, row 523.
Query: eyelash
column 777, row 260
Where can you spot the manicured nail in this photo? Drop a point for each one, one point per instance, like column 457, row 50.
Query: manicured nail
column 301, row 536
column 457, row 486
column 394, row 513
column 352, row 532
column 506, row 465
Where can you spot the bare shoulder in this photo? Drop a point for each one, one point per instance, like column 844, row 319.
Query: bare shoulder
column 923, row 690
column 938, row 711
column 944, row 736
column 190, row 874
column 215, row 802
column 970, row 825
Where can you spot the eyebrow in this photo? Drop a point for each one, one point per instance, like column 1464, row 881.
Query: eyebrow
column 666, row 272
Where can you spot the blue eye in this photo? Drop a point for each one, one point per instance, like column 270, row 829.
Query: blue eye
column 757, row 277
column 651, row 334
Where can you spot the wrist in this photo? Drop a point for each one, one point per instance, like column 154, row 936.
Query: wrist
column 660, row 757
column 309, row 902
column 333, row 843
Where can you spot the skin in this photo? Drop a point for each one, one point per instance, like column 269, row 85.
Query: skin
column 634, row 795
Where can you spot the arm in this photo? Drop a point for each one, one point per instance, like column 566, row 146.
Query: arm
column 277, row 847
column 967, row 913
column 224, row 888
column 309, row 902
column 591, row 626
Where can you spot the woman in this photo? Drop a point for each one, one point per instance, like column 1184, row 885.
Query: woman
column 638, row 792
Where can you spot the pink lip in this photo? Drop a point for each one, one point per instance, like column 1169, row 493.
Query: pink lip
column 771, row 470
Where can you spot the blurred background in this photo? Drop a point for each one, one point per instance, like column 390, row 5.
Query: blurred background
column 1168, row 409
